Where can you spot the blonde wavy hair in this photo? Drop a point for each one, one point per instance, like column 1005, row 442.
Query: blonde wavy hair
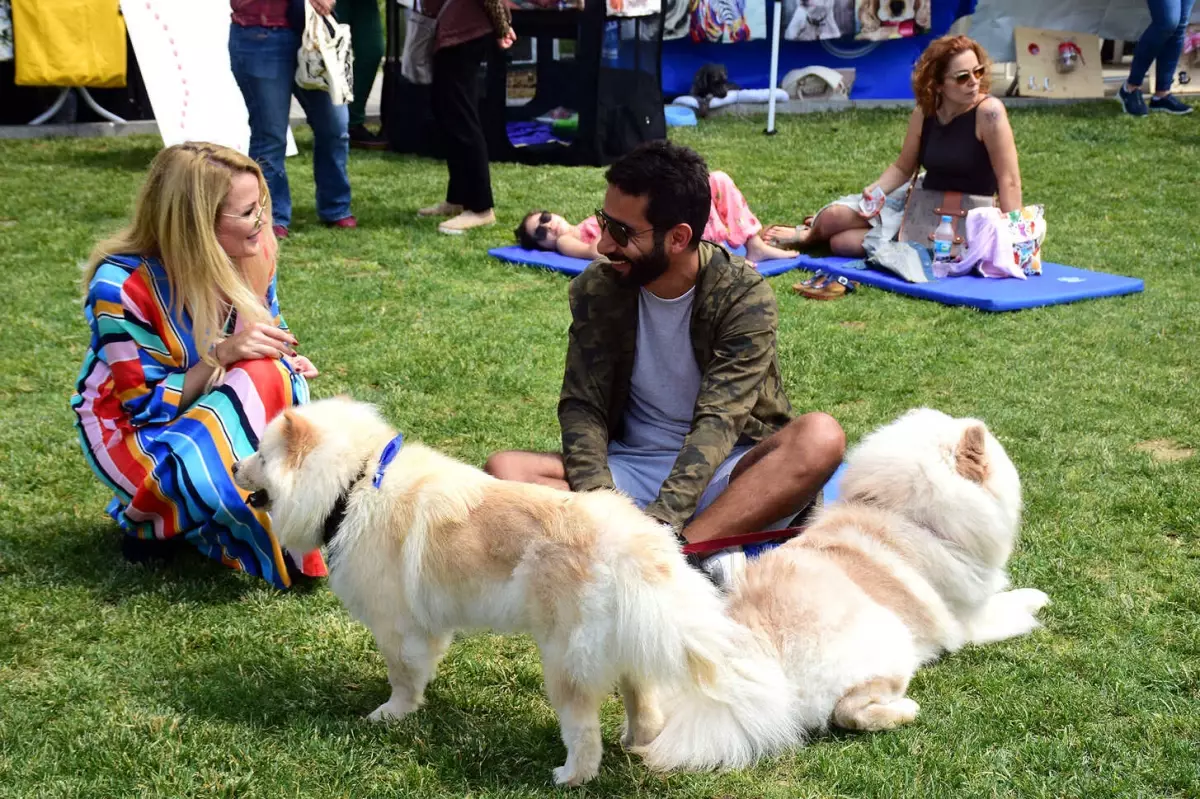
column 930, row 70
column 175, row 220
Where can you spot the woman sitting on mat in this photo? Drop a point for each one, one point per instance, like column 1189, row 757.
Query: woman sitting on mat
column 730, row 222
column 958, row 133
column 189, row 359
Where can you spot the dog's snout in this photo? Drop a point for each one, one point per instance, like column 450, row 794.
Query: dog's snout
column 898, row 7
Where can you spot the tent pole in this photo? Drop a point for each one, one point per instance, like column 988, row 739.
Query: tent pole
column 775, row 24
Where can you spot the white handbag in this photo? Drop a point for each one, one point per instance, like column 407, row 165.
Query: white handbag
column 324, row 62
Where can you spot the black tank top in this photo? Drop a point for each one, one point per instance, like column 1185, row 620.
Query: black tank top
column 954, row 159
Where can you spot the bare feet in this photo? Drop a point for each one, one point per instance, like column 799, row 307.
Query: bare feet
column 759, row 250
column 467, row 220
column 787, row 236
column 441, row 209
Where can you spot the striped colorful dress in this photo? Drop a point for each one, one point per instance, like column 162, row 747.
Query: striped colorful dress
column 169, row 467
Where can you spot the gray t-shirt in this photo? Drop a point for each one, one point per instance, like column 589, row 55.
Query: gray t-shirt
column 666, row 378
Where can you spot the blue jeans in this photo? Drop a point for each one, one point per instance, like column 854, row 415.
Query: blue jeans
column 264, row 64
column 1162, row 42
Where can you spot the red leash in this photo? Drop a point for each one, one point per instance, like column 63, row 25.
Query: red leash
column 716, row 544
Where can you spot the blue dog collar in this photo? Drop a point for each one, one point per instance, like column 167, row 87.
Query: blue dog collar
column 387, row 456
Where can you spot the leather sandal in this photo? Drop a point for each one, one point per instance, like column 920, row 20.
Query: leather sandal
column 833, row 288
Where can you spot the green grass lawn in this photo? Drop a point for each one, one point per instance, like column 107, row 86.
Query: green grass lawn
column 193, row 680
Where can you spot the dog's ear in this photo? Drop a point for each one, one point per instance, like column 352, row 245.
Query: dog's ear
column 922, row 14
column 721, row 82
column 970, row 457
column 300, row 437
column 868, row 15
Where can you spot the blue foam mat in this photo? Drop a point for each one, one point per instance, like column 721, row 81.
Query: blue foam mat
column 833, row 486
column 1057, row 284
column 573, row 266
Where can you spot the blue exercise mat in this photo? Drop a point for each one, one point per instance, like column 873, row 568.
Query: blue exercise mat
column 833, row 485
column 573, row 266
column 1057, row 284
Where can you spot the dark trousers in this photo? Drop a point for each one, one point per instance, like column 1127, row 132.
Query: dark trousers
column 456, row 110
column 366, row 42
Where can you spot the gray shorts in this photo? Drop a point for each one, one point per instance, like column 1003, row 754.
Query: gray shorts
column 640, row 473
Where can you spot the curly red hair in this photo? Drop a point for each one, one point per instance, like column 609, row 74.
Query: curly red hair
column 931, row 69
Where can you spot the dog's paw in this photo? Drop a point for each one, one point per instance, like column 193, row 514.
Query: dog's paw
column 1031, row 599
column 1007, row 615
column 643, row 732
column 903, row 711
column 389, row 711
column 573, row 777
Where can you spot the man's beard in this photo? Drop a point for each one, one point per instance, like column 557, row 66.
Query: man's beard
column 646, row 268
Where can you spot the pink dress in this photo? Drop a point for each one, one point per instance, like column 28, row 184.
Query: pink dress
column 730, row 220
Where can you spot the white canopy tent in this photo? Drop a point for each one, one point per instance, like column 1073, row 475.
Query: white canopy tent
column 993, row 21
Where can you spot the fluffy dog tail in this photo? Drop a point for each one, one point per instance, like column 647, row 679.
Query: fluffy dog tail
column 731, row 701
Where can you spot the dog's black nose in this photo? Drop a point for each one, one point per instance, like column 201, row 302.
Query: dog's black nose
column 235, row 467
column 259, row 499
column 898, row 7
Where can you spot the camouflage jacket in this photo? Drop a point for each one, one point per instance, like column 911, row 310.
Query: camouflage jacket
column 741, row 397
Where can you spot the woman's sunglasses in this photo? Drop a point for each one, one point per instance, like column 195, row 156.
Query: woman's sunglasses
column 619, row 232
column 252, row 216
column 541, row 231
column 962, row 76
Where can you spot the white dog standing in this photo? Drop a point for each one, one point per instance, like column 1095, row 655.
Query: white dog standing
column 907, row 564
column 420, row 545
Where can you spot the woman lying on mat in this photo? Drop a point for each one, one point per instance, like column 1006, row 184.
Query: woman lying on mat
column 957, row 133
column 189, row 359
column 730, row 222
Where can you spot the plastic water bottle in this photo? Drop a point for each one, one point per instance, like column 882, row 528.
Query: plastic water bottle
column 943, row 242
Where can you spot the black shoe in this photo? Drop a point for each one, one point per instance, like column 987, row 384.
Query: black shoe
column 301, row 582
column 1171, row 104
column 1133, row 102
column 144, row 550
column 363, row 139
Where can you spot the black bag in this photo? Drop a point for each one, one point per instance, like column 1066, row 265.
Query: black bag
column 406, row 108
column 629, row 112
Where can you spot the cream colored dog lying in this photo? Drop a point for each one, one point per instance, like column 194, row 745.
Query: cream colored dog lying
column 423, row 545
column 907, row 564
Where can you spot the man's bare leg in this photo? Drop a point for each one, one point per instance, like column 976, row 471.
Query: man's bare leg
column 543, row 468
column 778, row 477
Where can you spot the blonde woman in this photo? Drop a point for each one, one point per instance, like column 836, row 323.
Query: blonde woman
column 189, row 359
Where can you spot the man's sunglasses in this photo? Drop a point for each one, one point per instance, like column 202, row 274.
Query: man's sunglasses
column 962, row 76
column 619, row 232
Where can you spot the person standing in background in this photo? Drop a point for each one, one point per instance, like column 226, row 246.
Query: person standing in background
column 1161, row 43
column 263, row 45
column 366, row 42
column 463, row 32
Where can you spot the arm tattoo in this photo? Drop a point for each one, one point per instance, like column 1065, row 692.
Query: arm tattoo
column 992, row 116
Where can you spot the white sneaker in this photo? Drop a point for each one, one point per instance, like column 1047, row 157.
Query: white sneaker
column 726, row 567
